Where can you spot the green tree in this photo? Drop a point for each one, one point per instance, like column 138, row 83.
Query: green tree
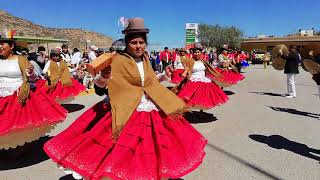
column 216, row 35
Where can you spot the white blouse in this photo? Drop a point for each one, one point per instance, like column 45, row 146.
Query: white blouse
column 199, row 73
column 178, row 64
column 145, row 103
column 10, row 77
column 46, row 67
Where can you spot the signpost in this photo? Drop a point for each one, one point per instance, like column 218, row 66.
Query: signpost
column 191, row 34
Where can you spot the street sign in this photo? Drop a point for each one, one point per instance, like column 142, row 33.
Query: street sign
column 192, row 26
column 191, row 34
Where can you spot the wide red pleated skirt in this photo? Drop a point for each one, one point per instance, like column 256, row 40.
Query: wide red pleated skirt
column 230, row 75
column 176, row 76
column 61, row 92
column 202, row 95
column 25, row 123
column 150, row 146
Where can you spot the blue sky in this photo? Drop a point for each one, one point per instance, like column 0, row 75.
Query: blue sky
column 166, row 18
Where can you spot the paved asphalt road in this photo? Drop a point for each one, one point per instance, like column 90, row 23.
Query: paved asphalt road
column 256, row 135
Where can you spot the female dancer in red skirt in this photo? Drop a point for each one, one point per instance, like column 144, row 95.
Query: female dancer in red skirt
column 26, row 113
column 59, row 85
column 178, row 72
column 201, row 90
column 227, row 69
column 139, row 134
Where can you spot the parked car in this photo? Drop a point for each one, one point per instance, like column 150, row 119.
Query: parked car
column 258, row 57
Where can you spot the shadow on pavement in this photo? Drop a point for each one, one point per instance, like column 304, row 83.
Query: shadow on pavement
column 169, row 87
column 267, row 93
column 67, row 177
column 296, row 112
column 243, row 162
column 24, row 156
column 258, row 68
column 229, row 93
column 195, row 117
column 72, row 107
column 279, row 142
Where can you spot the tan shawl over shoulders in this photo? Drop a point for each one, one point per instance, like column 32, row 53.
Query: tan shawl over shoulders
column 59, row 73
column 24, row 90
column 126, row 90
column 188, row 63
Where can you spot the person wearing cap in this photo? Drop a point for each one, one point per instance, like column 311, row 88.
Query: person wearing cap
column 66, row 56
column 76, row 65
column 227, row 69
column 26, row 112
column 165, row 58
column 92, row 53
column 132, row 137
column 42, row 57
column 291, row 70
column 201, row 90
column 59, row 84
column 224, row 58
column 190, row 53
column 75, row 60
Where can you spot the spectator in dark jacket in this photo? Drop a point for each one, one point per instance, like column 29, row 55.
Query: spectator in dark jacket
column 42, row 58
column 291, row 69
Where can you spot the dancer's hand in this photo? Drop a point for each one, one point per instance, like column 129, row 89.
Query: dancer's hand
column 29, row 70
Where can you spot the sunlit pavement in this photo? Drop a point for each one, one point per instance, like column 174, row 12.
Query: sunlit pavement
column 258, row 134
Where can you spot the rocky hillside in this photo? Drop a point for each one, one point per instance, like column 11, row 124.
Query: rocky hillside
column 77, row 37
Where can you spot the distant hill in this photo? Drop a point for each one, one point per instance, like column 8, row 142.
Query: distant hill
column 77, row 37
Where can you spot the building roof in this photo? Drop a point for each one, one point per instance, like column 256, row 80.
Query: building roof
column 39, row 39
column 283, row 39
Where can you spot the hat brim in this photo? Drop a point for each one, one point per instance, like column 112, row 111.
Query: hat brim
column 6, row 40
column 55, row 52
column 132, row 31
column 195, row 49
